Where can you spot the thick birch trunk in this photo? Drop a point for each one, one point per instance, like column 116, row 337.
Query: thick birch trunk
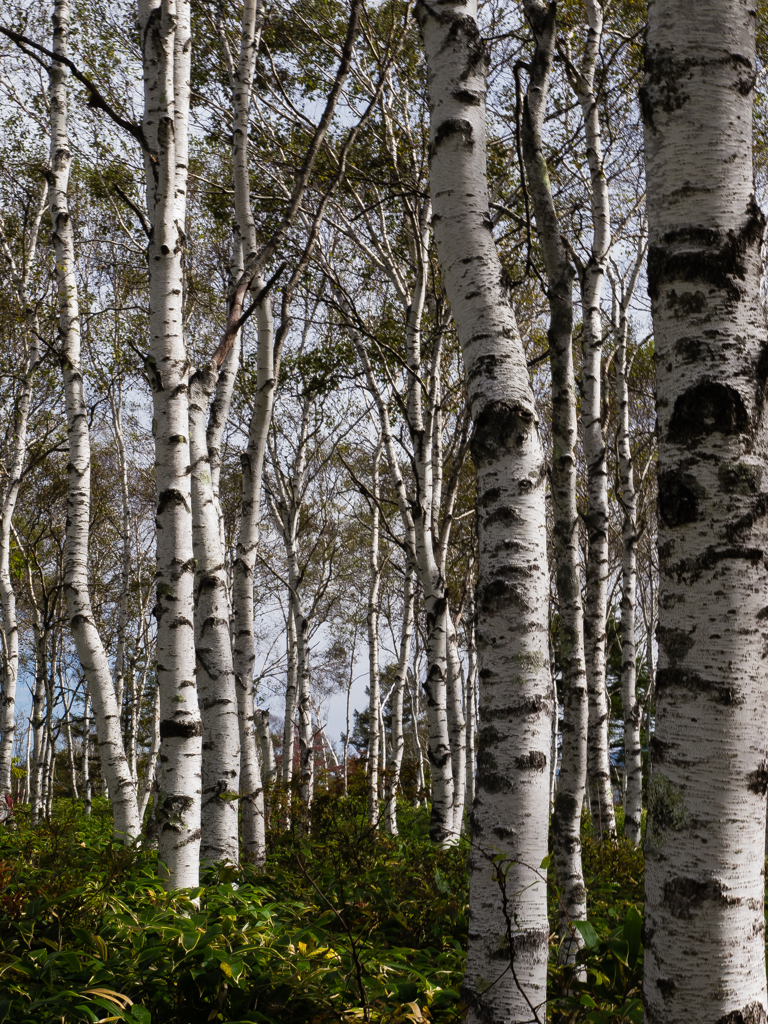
column 510, row 812
column 566, row 817
column 90, row 650
column 166, row 45
column 213, row 647
column 398, row 691
column 704, row 878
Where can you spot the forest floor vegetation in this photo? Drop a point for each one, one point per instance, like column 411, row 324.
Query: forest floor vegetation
column 345, row 924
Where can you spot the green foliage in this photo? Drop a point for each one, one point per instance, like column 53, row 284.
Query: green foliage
column 344, row 926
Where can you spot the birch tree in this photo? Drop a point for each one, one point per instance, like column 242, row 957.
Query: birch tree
column 166, row 45
column 511, row 808
column 704, row 927
column 90, row 648
column 14, row 467
column 566, row 817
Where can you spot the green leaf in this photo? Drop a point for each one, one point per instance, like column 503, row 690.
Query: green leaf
column 546, row 862
column 588, row 933
column 633, row 926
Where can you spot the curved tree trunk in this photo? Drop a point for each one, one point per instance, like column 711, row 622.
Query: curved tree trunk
column 511, row 808
column 90, row 650
column 704, row 877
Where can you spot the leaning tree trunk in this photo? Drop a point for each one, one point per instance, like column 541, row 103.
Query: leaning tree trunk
column 566, row 817
column 166, row 45
column 511, row 809
column 90, row 650
column 704, row 877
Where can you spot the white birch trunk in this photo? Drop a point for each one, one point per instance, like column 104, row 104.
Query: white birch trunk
column 470, row 699
column 70, row 750
column 591, row 281
column 215, row 673
column 457, row 728
column 38, row 717
column 374, row 691
column 166, row 47
column 116, row 405
column 510, row 812
column 90, row 650
column 566, row 816
column 304, row 707
column 241, row 75
column 150, row 772
column 291, row 694
column 9, row 663
column 269, row 767
column 704, row 877
column 398, row 692
column 631, row 707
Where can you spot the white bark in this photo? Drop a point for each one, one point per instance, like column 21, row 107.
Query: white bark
column 566, row 816
column 510, row 813
column 213, row 647
column 116, row 405
column 471, row 689
column 166, row 48
column 374, row 690
column 291, row 694
column 398, row 692
column 704, row 876
column 591, row 281
column 90, row 650
column 304, row 707
column 457, row 728
column 148, row 782
column 632, row 708
column 241, row 73
column 269, row 766
column 9, row 652
column 416, row 516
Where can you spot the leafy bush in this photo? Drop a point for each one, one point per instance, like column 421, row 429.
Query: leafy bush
column 347, row 925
